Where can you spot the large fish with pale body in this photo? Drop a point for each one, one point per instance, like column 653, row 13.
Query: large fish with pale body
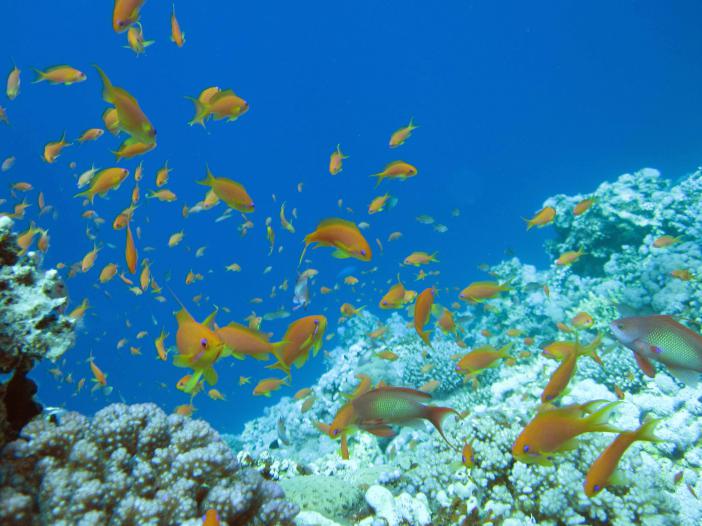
column 662, row 339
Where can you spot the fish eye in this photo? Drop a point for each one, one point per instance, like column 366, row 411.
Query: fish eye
column 120, row 23
column 203, row 343
column 363, row 252
column 526, row 449
column 384, row 302
column 458, row 368
column 463, row 459
column 335, row 432
column 597, row 487
column 316, row 322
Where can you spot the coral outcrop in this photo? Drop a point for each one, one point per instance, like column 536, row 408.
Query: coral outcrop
column 131, row 465
column 32, row 327
column 621, row 271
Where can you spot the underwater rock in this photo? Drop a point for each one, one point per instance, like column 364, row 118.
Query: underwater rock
column 395, row 511
column 32, row 327
column 332, row 497
column 131, row 464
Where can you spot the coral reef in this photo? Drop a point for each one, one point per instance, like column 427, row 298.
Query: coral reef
column 621, row 271
column 31, row 327
column 131, row 465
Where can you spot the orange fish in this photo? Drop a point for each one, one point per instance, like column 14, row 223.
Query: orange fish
column 342, row 235
column 343, row 419
column 665, row 241
column 560, row 378
column 482, row 358
column 479, row 291
column 177, row 35
column 99, row 377
column 582, row 320
column 52, row 150
column 336, row 161
column 130, row 117
column 131, row 148
column 395, row 297
column 221, row 105
column 420, row 258
column 570, row 257
column 378, row 204
column 199, row 347
column 467, row 455
column 163, row 174
column 682, row 274
column 109, row 117
column 555, row 430
column 266, row 386
column 399, row 170
column 233, row 194
column 104, row 181
column 25, row 239
column 135, row 39
column 125, row 13
column 211, row 518
column 301, row 336
column 91, row 134
column 399, row 137
column 130, row 252
column 583, row 206
column 422, row 312
column 349, row 310
column 13, row 83
column 244, row 341
column 60, row 75
column 542, row 218
column 79, row 311
column 164, row 195
column 602, row 472
column 89, row 259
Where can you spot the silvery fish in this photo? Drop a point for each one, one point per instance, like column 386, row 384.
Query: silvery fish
column 664, row 340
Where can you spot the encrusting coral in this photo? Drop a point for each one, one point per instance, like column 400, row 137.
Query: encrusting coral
column 620, row 269
column 128, row 465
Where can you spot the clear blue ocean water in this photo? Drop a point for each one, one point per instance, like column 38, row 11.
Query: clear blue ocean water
column 516, row 101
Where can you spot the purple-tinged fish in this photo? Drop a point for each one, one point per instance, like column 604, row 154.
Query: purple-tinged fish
column 383, row 406
column 664, row 340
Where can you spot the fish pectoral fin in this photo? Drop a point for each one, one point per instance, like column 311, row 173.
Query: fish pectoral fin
column 568, row 445
column 381, row 430
column 340, row 254
column 301, row 360
column 686, row 376
column 645, row 365
column 618, row 478
column 210, row 375
column 181, row 360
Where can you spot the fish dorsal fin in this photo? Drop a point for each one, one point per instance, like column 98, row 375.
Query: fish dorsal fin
column 183, row 316
column 336, row 221
column 406, row 392
column 209, row 321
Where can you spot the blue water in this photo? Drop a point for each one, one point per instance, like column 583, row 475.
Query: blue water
column 515, row 101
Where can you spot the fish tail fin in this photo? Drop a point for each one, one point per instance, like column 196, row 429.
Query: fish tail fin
column 412, row 125
column 591, row 349
column 433, row 257
column 598, row 421
column 646, row 431
column 209, row 179
column 380, row 177
column 106, row 85
column 425, row 336
column 41, row 76
column 201, row 112
column 436, row 415
column 504, row 351
column 147, row 43
column 87, row 193
column 529, row 223
column 280, row 364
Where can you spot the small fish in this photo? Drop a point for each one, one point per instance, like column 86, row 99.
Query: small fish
column 130, row 251
column 387, row 355
column 13, row 83
column 468, row 456
column 164, row 195
column 422, row 312
column 135, row 39
column 91, row 134
column 103, row 182
column 582, row 320
column 301, row 337
column 161, row 351
column 482, row 358
column 65, row 75
column 399, row 136
column 185, row 410
column 233, row 194
column 177, row 35
column 175, row 239
column 583, row 206
column 243, row 380
column 336, row 161
column 8, row 163
column 211, row 518
column 163, row 174
column 89, row 259
column 399, row 170
column 682, row 274
column 52, row 150
column 395, row 297
column 233, row 267
column 602, row 472
column 542, row 218
column 666, row 241
column 420, row 258
column 425, row 219
column 284, row 222
column 555, row 430
column 266, row 386
column 224, row 104
column 99, row 377
column 430, row 386
column 378, row 204
column 560, row 378
column 344, row 236
column 570, row 257
column 394, row 236
column 479, row 291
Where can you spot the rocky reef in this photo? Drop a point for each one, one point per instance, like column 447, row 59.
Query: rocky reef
column 32, row 328
column 415, row 478
column 131, row 465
